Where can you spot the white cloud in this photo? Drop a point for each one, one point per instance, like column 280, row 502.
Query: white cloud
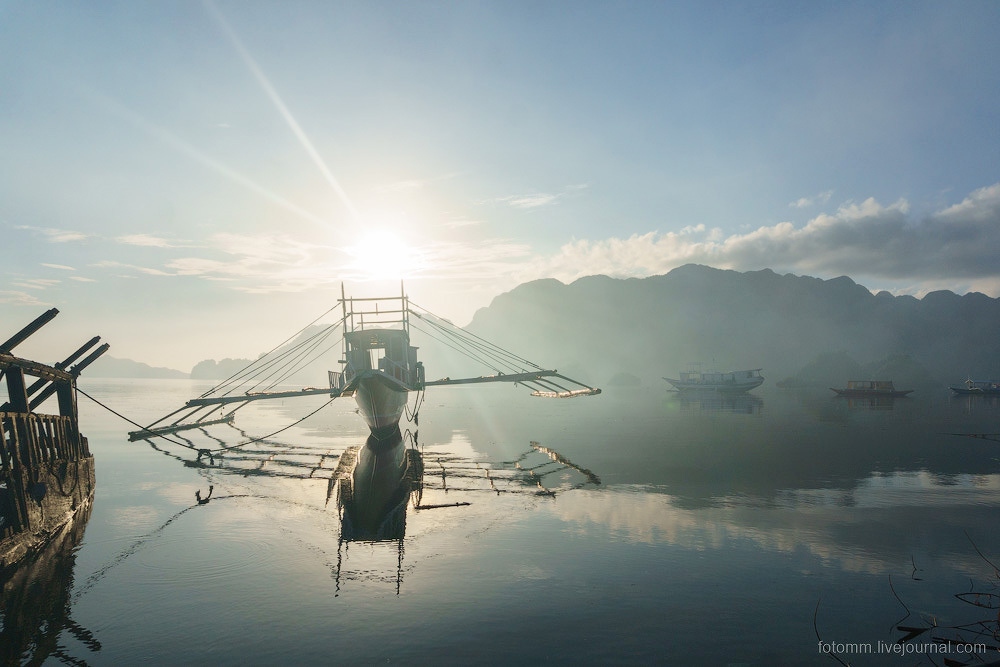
column 57, row 235
column 538, row 199
column 981, row 204
column 859, row 239
column 20, row 299
column 461, row 222
column 61, row 267
column 146, row 240
column 36, row 283
column 532, row 201
column 272, row 263
column 807, row 202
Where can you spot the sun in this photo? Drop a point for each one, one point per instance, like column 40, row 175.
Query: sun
column 382, row 255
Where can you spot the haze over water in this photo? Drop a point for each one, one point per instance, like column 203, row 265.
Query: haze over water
column 722, row 531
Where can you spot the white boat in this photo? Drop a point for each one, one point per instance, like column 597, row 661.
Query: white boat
column 380, row 369
column 733, row 382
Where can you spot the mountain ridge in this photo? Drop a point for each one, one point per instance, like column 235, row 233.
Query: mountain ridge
column 651, row 327
column 598, row 327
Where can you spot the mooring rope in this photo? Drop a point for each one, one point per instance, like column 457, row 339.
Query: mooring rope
column 265, row 361
column 472, row 339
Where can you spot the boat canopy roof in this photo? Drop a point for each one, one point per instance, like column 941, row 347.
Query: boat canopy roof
column 375, row 338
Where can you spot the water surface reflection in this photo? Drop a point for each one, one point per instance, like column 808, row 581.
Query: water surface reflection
column 636, row 527
column 35, row 605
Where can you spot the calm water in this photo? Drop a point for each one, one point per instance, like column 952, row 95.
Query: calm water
column 720, row 533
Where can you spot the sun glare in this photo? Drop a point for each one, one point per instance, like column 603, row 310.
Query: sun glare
column 381, row 255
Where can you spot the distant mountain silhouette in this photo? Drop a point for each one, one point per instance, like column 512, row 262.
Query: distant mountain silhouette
column 210, row 369
column 597, row 327
column 112, row 367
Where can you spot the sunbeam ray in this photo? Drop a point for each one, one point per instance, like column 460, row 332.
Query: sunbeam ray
column 286, row 114
column 182, row 146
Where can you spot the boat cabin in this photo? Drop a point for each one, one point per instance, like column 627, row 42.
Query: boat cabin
column 385, row 350
column 870, row 385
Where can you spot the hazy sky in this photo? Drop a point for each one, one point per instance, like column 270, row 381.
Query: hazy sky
column 194, row 180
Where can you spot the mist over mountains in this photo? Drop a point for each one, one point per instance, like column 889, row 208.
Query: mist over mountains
column 597, row 327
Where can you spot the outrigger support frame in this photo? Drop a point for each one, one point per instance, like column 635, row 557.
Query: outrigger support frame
column 246, row 398
column 199, row 403
column 527, row 378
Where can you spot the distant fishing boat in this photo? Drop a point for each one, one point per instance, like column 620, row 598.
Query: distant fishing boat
column 977, row 387
column 730, row 382
column 875, row 388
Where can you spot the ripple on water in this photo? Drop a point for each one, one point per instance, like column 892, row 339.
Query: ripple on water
column 195, row 557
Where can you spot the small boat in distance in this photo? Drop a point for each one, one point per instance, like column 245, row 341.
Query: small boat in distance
column 970, row 386
column 734, row 382
column 871, row 388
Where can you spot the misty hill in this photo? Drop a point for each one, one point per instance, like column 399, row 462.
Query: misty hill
column 210, row 369
column 112, row 367
column 598, row 327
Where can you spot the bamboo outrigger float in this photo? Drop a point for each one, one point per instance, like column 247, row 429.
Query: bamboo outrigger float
column 379, row 368
column 46, row 468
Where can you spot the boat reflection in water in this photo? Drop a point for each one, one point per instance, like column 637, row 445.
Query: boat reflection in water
column 871, row 402
column 35, row 603
column 373, row 485
column 376, row 484
column 711, row 401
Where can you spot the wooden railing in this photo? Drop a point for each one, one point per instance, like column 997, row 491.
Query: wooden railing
column 31, row 439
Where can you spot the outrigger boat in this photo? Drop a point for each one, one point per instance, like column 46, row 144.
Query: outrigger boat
column 379, row 369
column 977, row 387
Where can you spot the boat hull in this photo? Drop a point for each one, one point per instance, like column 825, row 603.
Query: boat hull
column 989, row 388
column 720, row 388
column 871, row 389
column 381, row 400
column 374, row 484
column 855, row 393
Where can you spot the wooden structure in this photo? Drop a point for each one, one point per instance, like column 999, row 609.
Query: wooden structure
column 46, row 468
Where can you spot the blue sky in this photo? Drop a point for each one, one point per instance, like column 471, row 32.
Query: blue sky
column 194, row 180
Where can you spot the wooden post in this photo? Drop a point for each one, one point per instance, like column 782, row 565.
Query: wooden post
column 74, row 371
column 16, row 389
column 5, row 463
column 24, row 333
column 64, row 364
column 67, row 399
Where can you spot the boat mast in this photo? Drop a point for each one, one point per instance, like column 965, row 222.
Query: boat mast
column 405, row 302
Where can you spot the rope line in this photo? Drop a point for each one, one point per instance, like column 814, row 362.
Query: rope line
column 201, row 449
column 263, row 363
column 483, row 341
